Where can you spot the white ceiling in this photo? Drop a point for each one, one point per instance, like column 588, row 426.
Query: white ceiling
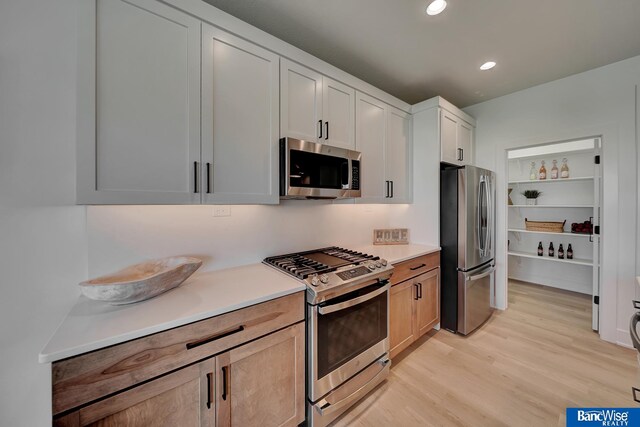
column 395, row 46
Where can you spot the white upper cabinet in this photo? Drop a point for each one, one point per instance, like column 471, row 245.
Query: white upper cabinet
column 383, row 135
column 370, row 141
column 338, row 112
column 456, row 139
column 315, row 107
column 301, row 102
column 398, row 158
column 240, row 90
column 178, row 103
column 138, row 104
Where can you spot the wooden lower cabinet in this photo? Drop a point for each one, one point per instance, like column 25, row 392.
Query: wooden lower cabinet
column 183, row 398
column 428, row 303
column 262, row 383
column 414, row 309
column 242, row 368
column 259, row 383
column 402, row 331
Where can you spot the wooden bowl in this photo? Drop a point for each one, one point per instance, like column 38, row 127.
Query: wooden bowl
column 141, row 281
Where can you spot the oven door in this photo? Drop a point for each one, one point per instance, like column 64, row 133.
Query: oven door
column 346, row 334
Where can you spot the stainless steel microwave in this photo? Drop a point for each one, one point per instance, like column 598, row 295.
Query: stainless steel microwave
column 317, row 171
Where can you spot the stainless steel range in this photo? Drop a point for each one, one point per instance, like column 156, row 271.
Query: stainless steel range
column 347, row 326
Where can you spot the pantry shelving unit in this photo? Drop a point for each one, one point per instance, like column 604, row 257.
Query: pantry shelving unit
column 575, row 261
column 575, row 199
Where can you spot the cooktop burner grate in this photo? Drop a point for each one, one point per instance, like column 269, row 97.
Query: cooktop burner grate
column 302, row 264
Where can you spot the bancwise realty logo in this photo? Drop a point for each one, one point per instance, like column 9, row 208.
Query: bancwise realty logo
column 603, row 417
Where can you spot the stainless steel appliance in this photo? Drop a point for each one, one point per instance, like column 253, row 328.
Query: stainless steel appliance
column 347, row 326
column 318, row 171
column 467, row 236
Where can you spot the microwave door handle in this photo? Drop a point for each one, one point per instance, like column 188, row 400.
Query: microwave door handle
column 355, row 301
column 347, row 184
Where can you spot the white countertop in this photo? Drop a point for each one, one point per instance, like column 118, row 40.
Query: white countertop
column 91, row 325
column 398, row 253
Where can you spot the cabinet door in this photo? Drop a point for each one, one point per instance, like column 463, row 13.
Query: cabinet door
column 139, row 103
column 262, row 383
column 398, row 160
column 370, row 140
column 301, row 102
column 464, row 137
column 428, row 302
column 339, row 111
column 402, row 330
column 240, row 98
column 449, row 138
column 184, row 398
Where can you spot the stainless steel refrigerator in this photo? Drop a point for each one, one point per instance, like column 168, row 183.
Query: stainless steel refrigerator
column 467, row 237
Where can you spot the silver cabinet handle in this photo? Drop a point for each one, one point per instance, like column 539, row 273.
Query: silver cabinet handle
column 350, row 303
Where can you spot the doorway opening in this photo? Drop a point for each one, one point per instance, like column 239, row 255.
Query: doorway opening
column 553, row 221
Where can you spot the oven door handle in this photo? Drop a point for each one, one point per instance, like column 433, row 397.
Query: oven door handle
column 350, row 303
column 326, row 408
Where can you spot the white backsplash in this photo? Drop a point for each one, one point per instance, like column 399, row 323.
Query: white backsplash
column 123, row 235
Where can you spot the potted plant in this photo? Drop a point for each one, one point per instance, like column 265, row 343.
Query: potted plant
column 531, row 196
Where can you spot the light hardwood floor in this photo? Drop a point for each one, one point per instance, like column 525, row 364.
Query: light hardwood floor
column 521, row 368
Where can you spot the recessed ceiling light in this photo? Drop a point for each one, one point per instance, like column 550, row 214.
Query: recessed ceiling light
column 436, row 7
column 487, row 65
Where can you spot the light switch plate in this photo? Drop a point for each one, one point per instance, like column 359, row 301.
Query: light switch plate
column 391, row 236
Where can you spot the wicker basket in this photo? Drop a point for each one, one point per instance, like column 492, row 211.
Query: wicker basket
column 546, row 226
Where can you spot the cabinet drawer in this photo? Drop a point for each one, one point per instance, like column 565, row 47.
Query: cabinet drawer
column 82, row 379
column 414, row 267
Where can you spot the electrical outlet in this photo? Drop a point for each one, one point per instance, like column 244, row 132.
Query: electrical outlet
column 221, row 210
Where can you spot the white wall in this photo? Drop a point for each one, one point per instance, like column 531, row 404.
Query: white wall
column 122, row 235
column 597, row 102
column 42, row 235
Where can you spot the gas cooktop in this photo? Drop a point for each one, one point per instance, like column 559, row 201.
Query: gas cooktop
column 337, row 269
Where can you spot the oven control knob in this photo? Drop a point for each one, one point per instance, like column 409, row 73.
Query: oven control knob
column 371, row 266
column 383, row 262
column 324, row 278
column 315, row 280
column 378, row 264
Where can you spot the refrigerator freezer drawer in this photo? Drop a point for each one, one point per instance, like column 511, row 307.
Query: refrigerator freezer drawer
column 474, row 298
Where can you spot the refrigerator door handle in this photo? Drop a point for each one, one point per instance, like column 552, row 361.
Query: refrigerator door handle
column 481, row 275
column 482, row 198
column 490, row 213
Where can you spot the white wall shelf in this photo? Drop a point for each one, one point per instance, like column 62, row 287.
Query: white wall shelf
column 565, row 233
column 548, row 181
column 575, row 261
